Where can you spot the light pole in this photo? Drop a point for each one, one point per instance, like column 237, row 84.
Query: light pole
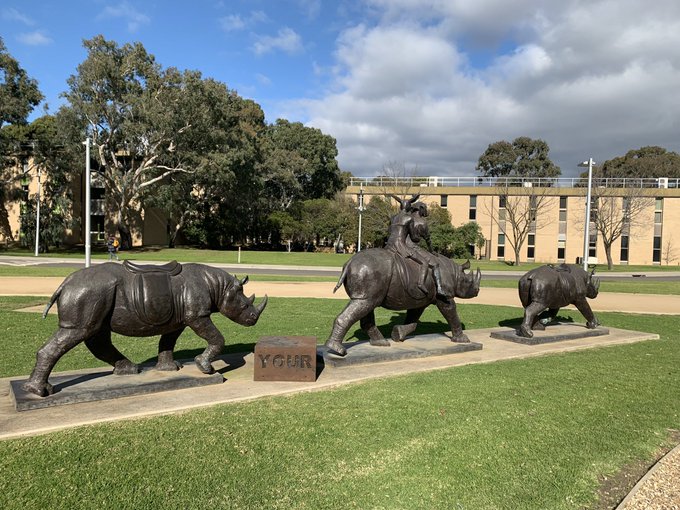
column 586, row 236
column 88, row 177
column 361, row 210
column 37, row 217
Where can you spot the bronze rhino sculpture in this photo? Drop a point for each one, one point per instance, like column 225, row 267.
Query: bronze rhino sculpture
column 141, row 300
column 379, row 277
column 553, row 287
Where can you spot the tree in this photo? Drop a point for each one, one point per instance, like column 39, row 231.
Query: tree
column 449, row 240
column 669, row 252
column 524, row 157
column 521, row 211
column 616, row 212
column 645, row 162
column 146, row 123
column 19, row 95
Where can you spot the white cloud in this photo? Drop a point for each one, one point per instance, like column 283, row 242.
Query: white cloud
column 286, row 40
column 37, row 38
column 592, row 78
column 128, row 13
column 232, row 22
column 12, row 14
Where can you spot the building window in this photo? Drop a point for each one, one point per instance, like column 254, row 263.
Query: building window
column 659, row 204
column 501, row 246
column 531, row 243
column 563, row 202
column 561, row 250
column 624, row 249
column 501, row 201
column 501, row 252
column 657, row 216
column 592, row 245
column 656, row 256
column 563, row 215
column 444, row 200
column 472, row 215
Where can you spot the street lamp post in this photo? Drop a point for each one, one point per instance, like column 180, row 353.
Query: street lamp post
column 361, row 210
column 88, row 177
column 586, row 237
column 37, row 217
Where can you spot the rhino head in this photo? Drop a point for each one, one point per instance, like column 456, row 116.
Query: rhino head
column 467, row 284
column 592, row 285
column 239, row 308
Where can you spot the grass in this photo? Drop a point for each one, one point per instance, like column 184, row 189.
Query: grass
column 532, row 433
column 289, row 259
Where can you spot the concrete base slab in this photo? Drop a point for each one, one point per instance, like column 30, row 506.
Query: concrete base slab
column 421, row 346
column 553, row 333
column 104, row 385
column 239, row 387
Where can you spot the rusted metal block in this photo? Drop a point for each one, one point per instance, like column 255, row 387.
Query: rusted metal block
column 285, row 358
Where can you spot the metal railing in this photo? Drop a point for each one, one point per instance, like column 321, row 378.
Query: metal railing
column 541, row 182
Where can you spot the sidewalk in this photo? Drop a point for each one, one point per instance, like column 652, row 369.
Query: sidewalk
column 605, row 302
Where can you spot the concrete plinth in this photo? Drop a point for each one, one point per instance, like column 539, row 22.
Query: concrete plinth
column 103, row 385
column 553, row 333
column 421, row 346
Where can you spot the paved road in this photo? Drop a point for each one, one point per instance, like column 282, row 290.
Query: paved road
column 333, row 272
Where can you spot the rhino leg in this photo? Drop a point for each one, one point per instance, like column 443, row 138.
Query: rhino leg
column 355, row 310
column 47, row 356
column 447, row 307
column 166, row 346
column 204, row 328
column 100, row 345
column 399, row 333
column 530, row 314
column 541, row 323
column 368, row 325
column 583, row 307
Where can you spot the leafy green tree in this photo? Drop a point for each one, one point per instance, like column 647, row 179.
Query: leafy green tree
column 299, row 163
column 148, row 124
column 645, row 162
column 449, row 240
column 19, row 95
column 524, row 157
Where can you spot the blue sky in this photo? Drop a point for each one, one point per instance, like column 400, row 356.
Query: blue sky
column 423, row 86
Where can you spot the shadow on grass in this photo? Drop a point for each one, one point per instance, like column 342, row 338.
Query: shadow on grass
column 515, row 322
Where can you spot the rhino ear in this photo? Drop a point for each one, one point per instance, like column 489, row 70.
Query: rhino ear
column 466, row 265
column 244, row 280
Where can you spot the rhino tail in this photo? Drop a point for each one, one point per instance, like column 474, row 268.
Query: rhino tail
column 524, row 286
column 343, row 275
column 53, row 299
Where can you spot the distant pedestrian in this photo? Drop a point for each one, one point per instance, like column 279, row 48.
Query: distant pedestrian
column 112, row 246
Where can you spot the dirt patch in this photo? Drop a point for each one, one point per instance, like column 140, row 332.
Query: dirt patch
column 614, row 488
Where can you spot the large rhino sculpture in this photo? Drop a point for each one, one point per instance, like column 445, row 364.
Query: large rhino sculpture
column 379, row 277
column 553, row 287
column 141, row 300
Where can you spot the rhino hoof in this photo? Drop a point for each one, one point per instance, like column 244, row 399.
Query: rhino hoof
column 525, row 332
column 42, row 390
column 592, row 324
column 204, row 365
column 379, row 342
column 171, row 366
column 460, row 338
column 125, row 367
column 336, row 347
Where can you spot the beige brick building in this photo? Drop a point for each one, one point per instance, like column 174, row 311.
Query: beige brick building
column 646, row 212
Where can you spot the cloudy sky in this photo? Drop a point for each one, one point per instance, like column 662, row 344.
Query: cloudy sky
column 427, row 85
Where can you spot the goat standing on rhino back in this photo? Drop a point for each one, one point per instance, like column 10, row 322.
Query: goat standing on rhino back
column 137, row 300
column 553, row 287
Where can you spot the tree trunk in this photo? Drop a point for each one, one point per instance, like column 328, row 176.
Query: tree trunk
column 517, row 250
column 125, row 237
column 608, row 253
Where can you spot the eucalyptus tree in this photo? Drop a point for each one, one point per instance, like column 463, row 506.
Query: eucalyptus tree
column 19, row 95
column 523, row 157
column 147, row 124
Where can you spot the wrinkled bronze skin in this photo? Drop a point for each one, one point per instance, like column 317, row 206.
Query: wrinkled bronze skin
column 98, row 300
column 371, row 280
column 553, row 287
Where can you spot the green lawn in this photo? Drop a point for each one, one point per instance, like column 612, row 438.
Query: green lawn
column 285, row 258
column 531, row 434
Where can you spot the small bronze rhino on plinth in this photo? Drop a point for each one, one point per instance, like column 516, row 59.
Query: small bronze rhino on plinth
column 141, row 300
column 553, row 287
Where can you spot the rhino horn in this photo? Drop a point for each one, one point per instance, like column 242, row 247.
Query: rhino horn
column 251, row 299
column 244, row 280
column 596, row 283
column 478, row 276
column 261, row 306
column 465, row 265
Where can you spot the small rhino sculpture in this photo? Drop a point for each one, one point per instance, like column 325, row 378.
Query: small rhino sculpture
column 141, row 300
column 553, row 287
